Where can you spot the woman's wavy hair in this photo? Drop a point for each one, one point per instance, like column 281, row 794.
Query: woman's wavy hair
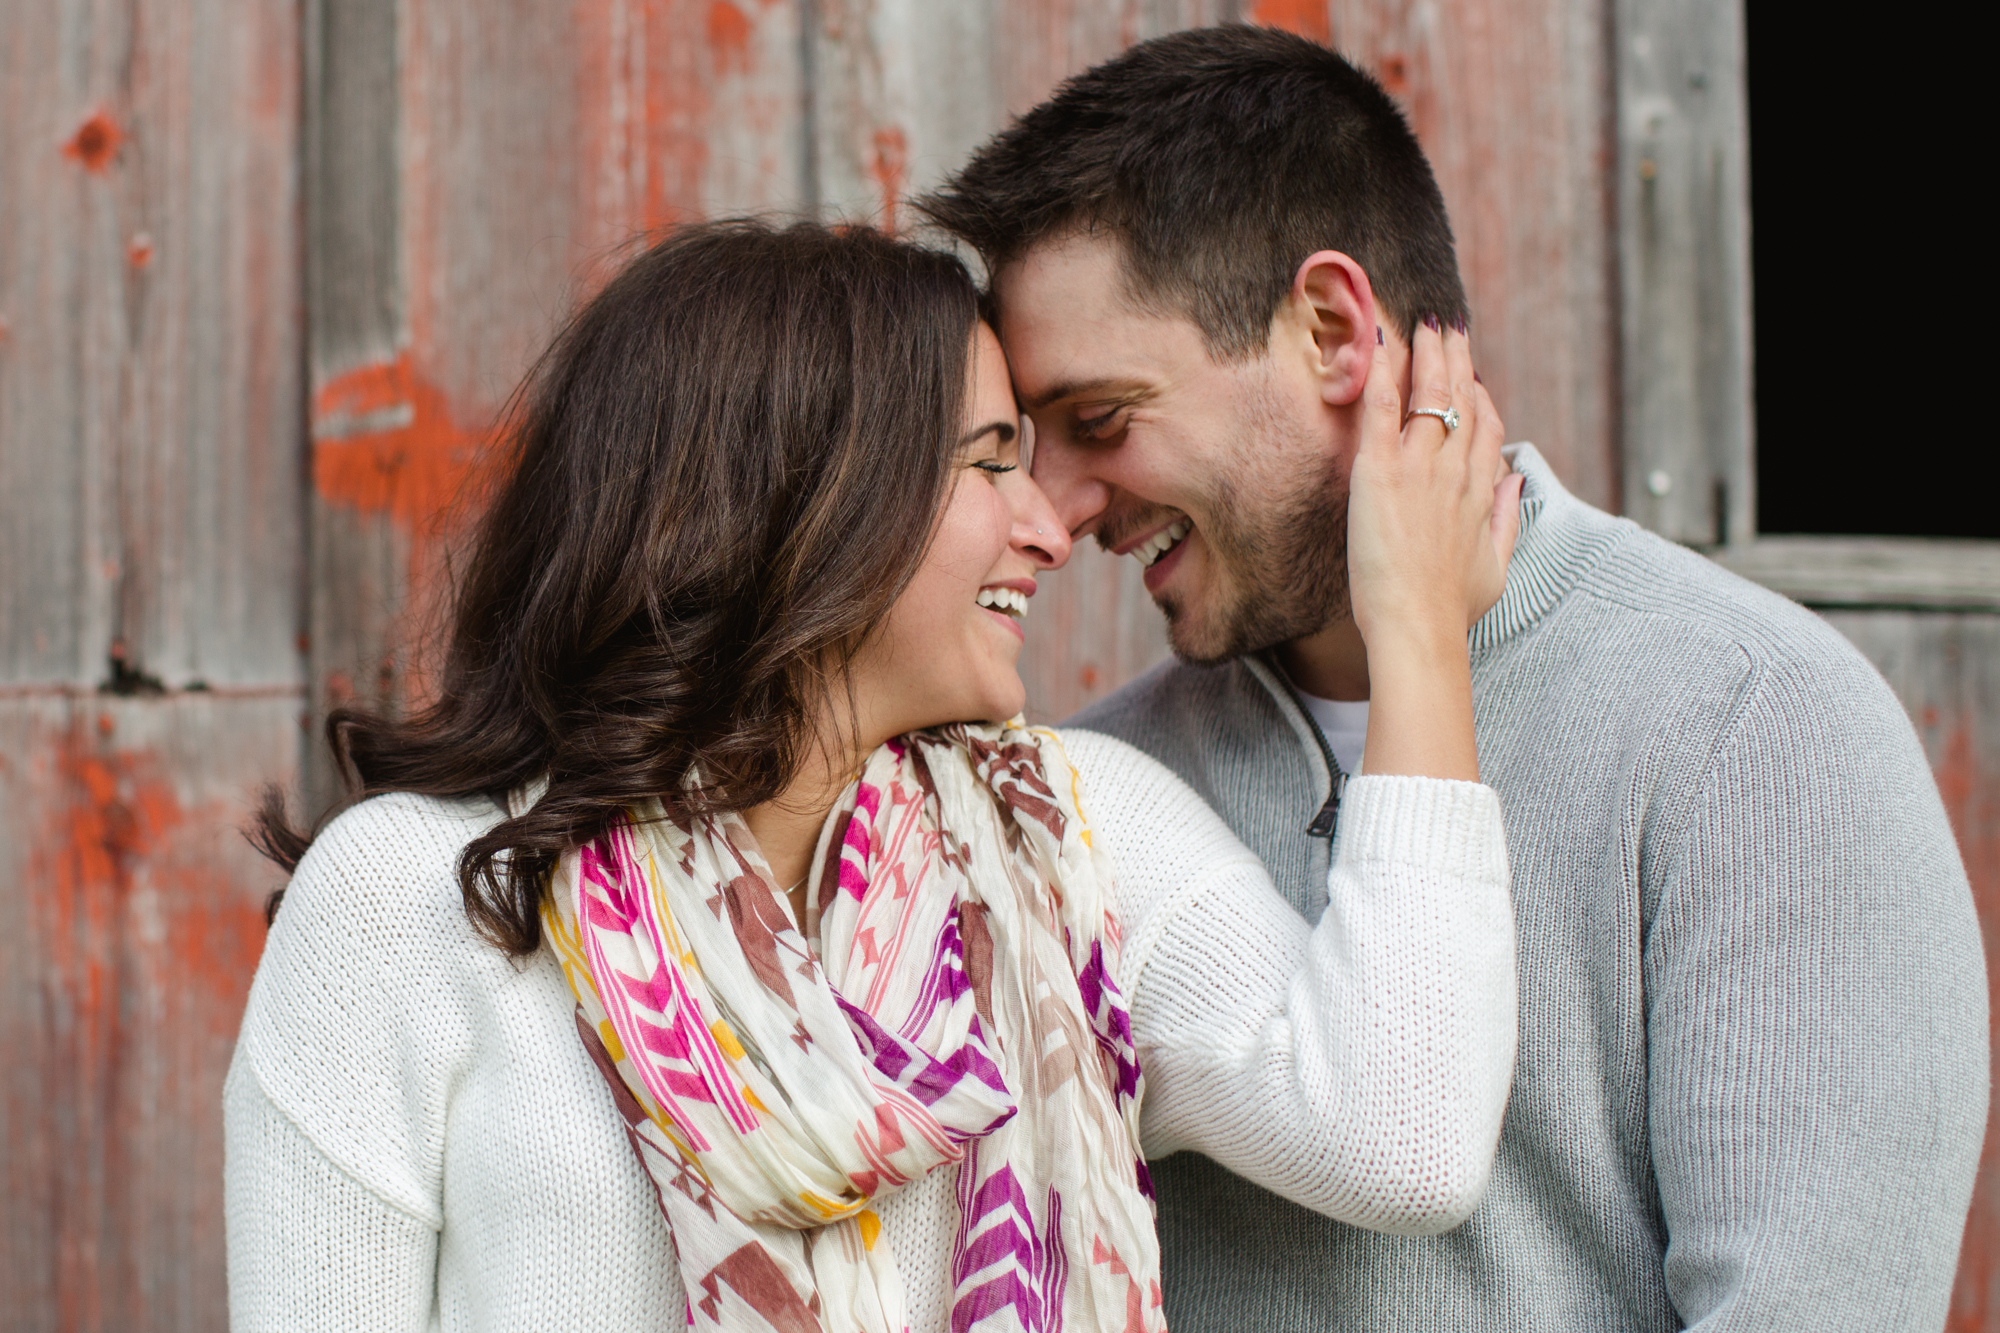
column 724, row 472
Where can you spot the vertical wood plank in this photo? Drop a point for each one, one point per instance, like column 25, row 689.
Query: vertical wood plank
column 149, row 361
column 1510, row 101
column 136, row 913
column 150, row 539
column 1684, row 267
column 483, row 166
column 1945, row 667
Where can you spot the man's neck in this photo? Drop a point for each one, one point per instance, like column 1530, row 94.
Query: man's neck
column 1332, row 663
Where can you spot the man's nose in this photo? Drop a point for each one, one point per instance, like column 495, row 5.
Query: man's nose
column 1076, row 498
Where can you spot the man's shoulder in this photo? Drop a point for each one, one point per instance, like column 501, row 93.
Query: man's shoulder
column 1170, row 685
column 1222, row 731
column 1177, row 712
column 1643, row 575
column 1611, row 589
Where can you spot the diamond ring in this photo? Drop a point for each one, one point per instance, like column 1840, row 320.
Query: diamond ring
column 1448, row 415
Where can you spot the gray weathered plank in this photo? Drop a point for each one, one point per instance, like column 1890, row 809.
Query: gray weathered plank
column 1903, row 572
column 518, row 152
column 149, row 355
column 150, row 515
column 1684, row 268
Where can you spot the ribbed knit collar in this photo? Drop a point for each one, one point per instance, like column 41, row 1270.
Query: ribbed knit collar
column 1561, row 536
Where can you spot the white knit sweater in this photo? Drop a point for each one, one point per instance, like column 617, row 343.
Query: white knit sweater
column 394, row 1161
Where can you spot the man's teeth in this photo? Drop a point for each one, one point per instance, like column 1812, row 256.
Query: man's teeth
column 1006, row 600
column 1157, row 545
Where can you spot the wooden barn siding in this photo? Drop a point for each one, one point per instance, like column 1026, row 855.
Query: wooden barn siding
column 471, row 227
column 151, row 534
column 471, row 168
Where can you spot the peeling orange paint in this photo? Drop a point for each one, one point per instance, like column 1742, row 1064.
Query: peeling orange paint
column 1972, row 800
column 729, row 36
column 886, row 167
column 139, row 250
column 139, row 945
column 385, row 442
column 642, row 119
column 1307, row 18
column 1394, row 71
column 96, row 142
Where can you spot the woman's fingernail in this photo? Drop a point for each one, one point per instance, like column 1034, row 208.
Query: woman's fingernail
column 1378, row 336
column 1431, row 323
column 1476, row 379
column 1459, row 324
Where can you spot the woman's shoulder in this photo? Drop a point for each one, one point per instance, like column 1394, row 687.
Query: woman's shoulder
column 374, row 909
column 387, row 856
column 367, row 1000
column 376, row 898
column 1150, row 817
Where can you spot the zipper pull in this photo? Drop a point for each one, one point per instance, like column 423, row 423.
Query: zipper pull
column 1323, row 822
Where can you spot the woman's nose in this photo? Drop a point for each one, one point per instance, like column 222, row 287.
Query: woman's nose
column 1038, row 533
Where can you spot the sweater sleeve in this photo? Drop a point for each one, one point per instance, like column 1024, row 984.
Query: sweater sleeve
column 1359, row 1067
column 1816, row 1021
column 300, row 1228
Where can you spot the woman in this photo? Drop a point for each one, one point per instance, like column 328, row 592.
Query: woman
column 691, row 962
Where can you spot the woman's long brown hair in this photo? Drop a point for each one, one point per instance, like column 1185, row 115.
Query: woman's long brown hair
column 724, row 471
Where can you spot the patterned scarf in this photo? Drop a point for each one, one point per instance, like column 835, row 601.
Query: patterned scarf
column 951, row 1000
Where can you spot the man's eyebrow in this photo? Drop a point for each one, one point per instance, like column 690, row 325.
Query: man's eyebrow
column 1074, row 389
column 1005, row 429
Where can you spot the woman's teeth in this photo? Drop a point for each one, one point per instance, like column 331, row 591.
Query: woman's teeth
column 1005, row 600
column 1161, row 542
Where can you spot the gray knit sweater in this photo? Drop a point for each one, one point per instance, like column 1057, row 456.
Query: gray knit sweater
column 1752, row 1077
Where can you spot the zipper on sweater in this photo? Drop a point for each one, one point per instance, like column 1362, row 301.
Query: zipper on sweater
column 1328, row 818
column 1323, row 823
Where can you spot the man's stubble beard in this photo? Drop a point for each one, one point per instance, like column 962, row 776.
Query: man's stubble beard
column 1279, row 535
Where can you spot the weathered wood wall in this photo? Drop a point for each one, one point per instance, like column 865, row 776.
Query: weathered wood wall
column 450, row 231
column 151, row 566
column 269, row 272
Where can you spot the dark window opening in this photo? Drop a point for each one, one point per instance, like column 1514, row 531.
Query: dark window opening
column 1870, row 289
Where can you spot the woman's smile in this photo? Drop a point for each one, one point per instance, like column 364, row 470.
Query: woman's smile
column 1008, row 603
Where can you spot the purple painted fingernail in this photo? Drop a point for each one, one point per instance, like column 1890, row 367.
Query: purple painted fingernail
column 1378, row 336
column 1459, row 324
column 1476, row 379
column 1431, row 323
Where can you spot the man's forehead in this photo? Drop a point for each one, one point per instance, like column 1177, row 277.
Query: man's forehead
column 1068, row 321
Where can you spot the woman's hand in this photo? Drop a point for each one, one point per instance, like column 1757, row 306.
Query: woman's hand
column 1431, row 521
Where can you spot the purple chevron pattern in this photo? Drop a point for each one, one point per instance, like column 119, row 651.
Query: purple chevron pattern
column 1008, row 1272
column 1104, row 1005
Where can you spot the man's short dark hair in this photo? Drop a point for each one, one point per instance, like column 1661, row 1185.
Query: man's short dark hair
column 1220, row 158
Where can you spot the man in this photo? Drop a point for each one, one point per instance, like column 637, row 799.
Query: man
column 1752, row 1077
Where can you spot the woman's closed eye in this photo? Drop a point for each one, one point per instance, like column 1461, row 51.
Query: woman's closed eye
column 989, row 465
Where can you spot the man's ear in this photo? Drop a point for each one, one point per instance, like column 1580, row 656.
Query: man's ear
column 1333, row 306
